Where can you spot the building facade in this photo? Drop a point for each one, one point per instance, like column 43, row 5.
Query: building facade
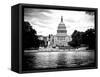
column 60, row 39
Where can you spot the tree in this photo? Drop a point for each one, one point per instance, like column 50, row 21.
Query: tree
column 30, row 39
column 76, row 39
column 89, row 38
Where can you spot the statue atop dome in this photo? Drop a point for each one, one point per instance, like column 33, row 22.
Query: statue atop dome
column 61, row 18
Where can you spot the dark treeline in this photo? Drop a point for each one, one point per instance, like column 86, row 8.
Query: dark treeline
column 87, row 38
column 30, row 38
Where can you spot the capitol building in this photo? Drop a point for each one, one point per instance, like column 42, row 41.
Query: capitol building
column 61, row 38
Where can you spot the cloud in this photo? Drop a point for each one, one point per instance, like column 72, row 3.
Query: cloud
column 70, row 20
column 39, row 24
column 30, row 13
column 87, row 18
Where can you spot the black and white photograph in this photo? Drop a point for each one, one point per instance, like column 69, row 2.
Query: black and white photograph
column 55, row 39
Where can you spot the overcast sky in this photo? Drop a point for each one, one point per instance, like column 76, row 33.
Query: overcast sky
column 45, row 21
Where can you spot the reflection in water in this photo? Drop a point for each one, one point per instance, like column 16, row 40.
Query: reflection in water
column 45, row 60
column 59, row 59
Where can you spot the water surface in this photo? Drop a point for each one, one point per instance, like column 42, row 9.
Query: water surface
column 36, row 60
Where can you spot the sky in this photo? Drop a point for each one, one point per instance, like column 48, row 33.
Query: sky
column 46, row 21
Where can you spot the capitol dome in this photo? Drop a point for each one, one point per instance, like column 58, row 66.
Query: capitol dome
column 61, row 27
column 61, row 38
